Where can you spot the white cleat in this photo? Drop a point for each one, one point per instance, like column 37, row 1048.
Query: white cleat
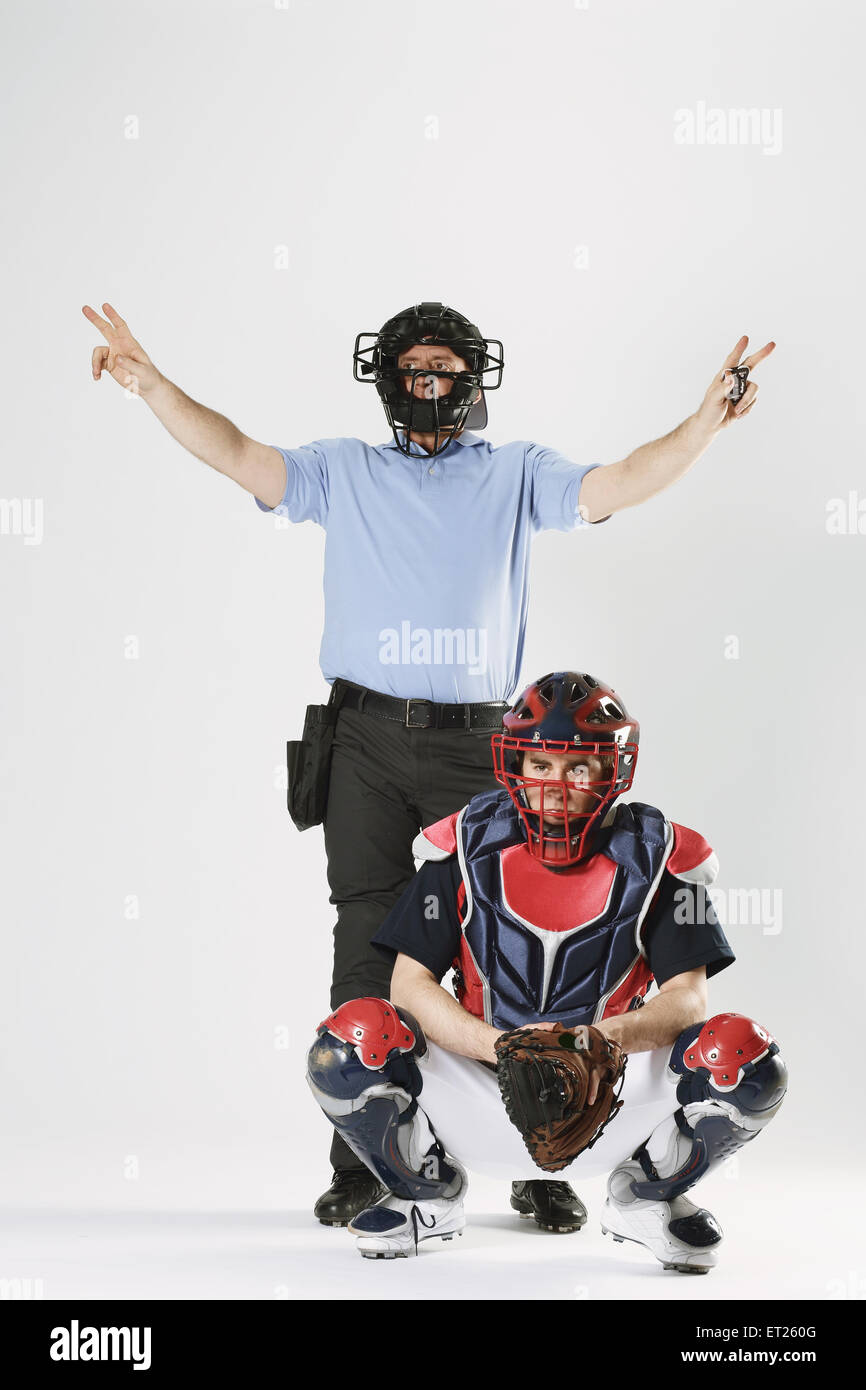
column 682, row 1236
column 396, row 1226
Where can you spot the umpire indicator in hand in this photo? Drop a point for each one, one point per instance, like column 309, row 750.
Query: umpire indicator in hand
column 732, row 394
column 426, row 580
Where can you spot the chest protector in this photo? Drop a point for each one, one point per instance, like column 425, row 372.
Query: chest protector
column 559, row 945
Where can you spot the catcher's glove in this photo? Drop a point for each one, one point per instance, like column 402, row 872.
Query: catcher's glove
column 545, row 1078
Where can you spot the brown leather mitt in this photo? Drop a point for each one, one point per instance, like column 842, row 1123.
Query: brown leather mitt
column 545, row 1078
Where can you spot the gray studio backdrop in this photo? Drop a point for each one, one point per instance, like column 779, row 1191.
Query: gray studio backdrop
column 618, row 191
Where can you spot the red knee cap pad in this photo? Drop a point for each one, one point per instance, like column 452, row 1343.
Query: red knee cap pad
column 725, row 1045
column 373, row 1026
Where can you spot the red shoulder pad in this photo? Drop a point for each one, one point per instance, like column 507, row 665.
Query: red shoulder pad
column 437, row 841
column 692, row 857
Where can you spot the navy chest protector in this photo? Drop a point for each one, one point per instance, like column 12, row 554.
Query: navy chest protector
column 512, row 967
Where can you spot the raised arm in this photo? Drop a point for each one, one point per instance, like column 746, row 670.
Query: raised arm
column 257, row 468
column 655, row 466
column 443, row 1019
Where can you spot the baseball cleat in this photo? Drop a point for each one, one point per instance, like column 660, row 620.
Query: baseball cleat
column 351, row 1191
column 553, row 1205
column 680, row 1235
column 396, row 1226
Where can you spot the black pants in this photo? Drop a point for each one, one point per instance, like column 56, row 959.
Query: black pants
column 386, row 782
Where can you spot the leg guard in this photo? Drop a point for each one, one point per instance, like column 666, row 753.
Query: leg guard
column 362, row 1071
column 732, row 1083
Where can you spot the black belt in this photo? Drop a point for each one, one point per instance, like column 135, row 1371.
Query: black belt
column 418, row 714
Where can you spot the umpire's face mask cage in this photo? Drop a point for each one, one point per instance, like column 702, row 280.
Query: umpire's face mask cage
column 413, row 411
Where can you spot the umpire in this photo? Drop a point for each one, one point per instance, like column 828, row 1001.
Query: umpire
column 426, row 594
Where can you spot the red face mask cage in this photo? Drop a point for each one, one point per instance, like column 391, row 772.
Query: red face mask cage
column 554, row 834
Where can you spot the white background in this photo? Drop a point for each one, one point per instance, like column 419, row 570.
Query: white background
column 403, row 151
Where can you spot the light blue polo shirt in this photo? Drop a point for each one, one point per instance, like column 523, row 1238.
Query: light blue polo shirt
column 427, row 559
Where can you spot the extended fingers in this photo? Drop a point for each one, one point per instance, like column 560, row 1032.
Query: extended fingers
column 112, row 328
column 754, row 358
column 98, row 321
column 119, row 324
column 733, row 358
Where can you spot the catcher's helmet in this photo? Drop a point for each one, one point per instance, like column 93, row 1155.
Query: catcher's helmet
column 441, row 416
column 566, row 712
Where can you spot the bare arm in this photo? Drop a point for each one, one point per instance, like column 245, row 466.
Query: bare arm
column 444, row 1020
column 682, row 1000
column 211, row 437
column 655, row 466
column 257, row 468
column 646, row 471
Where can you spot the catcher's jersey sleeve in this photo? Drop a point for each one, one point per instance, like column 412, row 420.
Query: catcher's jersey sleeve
column 682, row 931
column 424, row 923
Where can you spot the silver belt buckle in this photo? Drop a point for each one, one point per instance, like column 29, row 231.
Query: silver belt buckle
column 408, row 720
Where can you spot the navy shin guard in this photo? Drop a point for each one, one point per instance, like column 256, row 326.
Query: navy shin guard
column 732, row 1083
column 363, row 1073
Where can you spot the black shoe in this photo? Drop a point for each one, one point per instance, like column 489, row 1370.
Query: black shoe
column 351, row 1190
column 553, row 1204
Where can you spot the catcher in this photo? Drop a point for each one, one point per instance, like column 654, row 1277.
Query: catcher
column 557, row 910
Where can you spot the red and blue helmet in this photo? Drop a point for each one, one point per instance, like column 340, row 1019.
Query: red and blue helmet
column 566, row 712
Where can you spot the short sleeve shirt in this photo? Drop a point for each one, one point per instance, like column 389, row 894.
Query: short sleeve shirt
column 426, row 572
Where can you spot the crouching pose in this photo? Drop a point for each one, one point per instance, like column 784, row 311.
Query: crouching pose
column 551, row 905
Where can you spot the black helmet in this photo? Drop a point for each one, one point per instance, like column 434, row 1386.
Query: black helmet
column 441, row 416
